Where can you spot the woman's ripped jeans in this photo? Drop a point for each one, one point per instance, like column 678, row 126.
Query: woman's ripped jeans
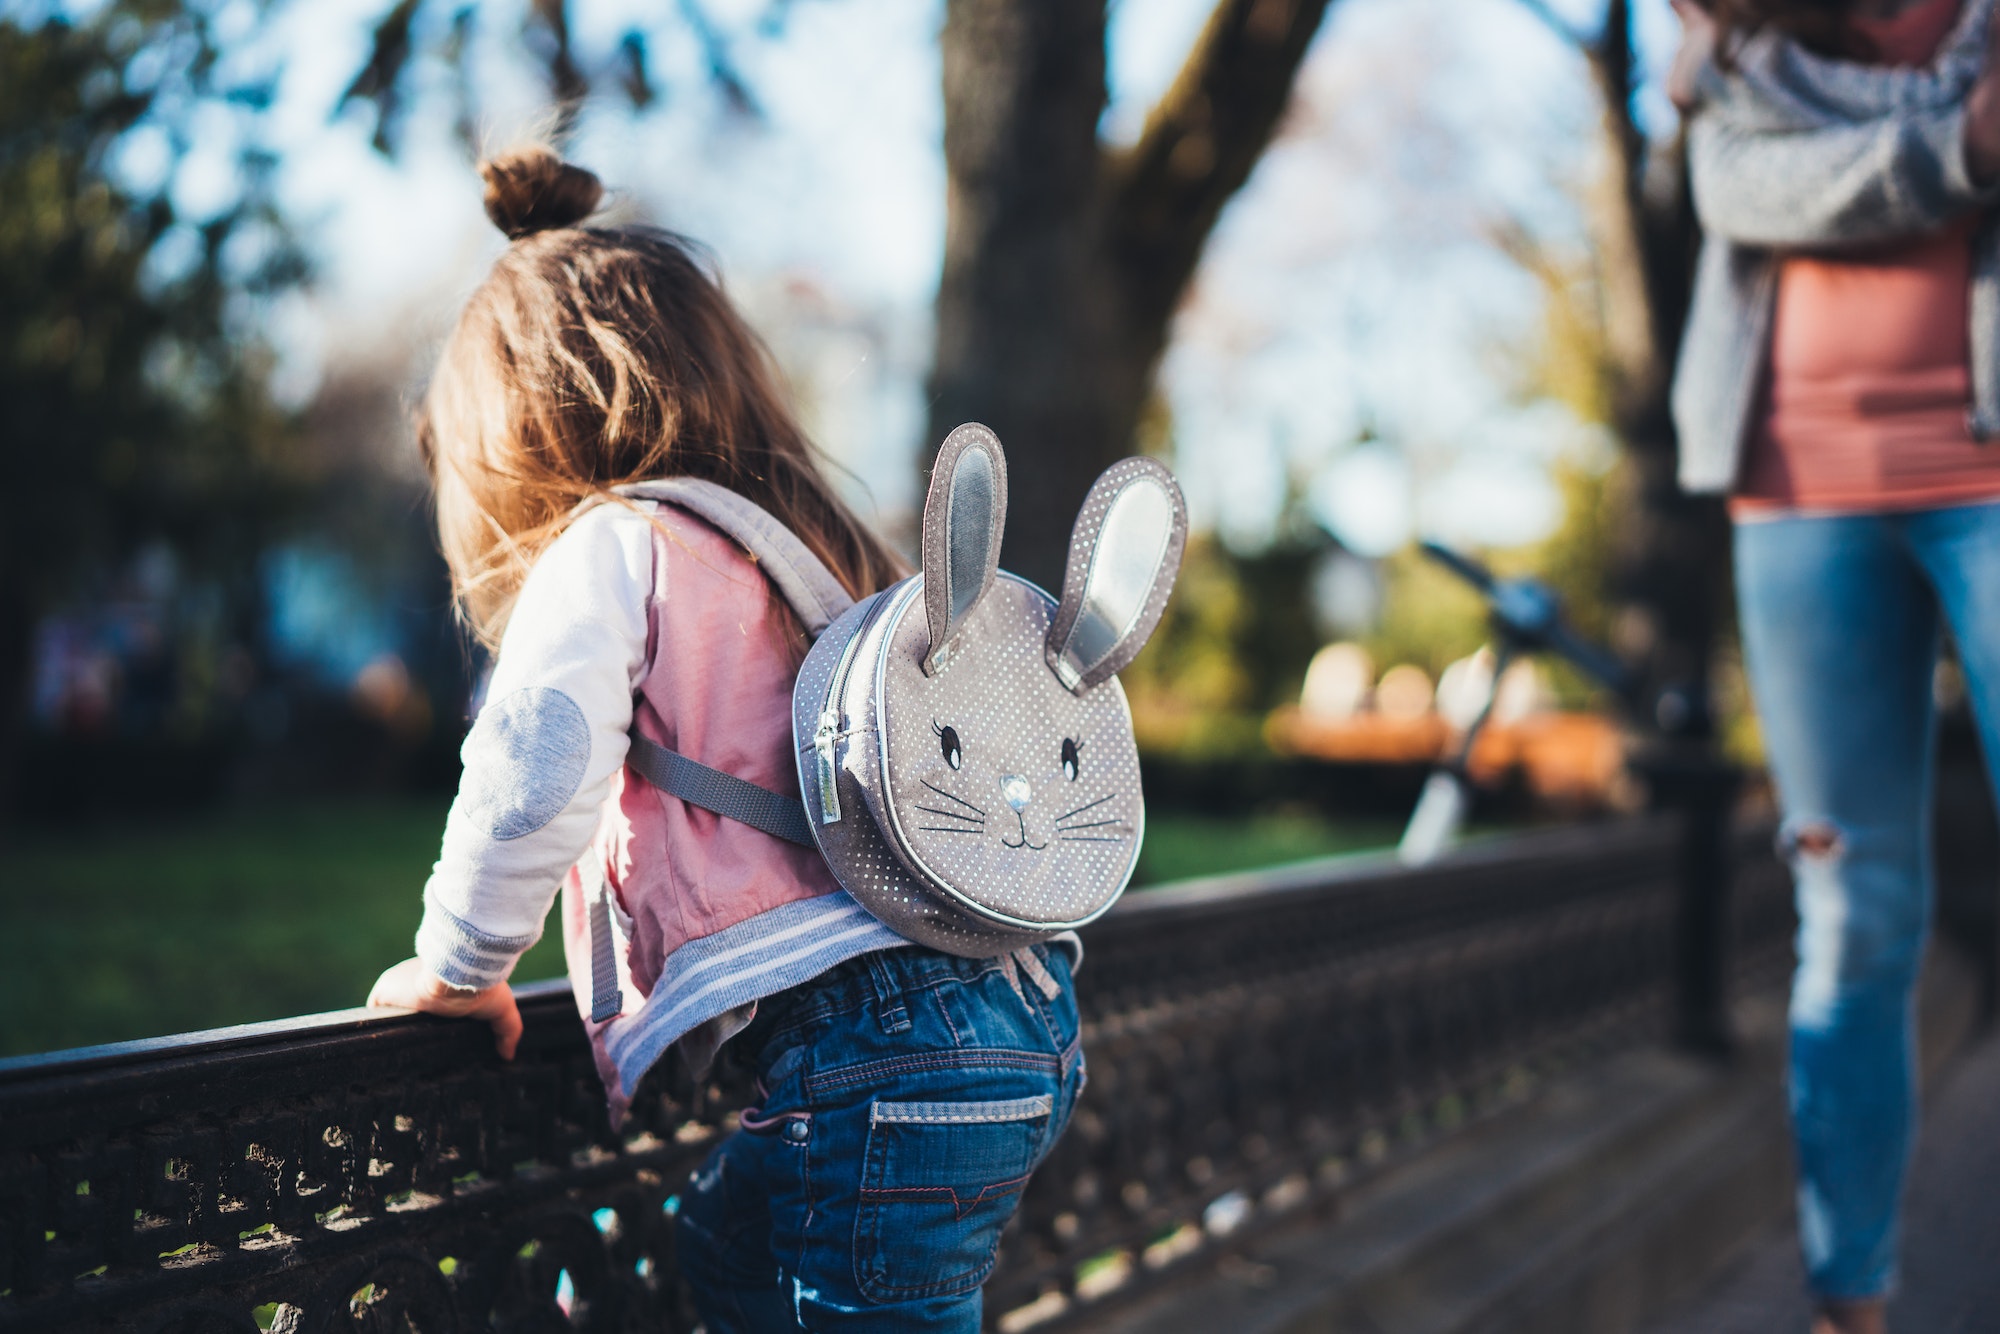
column 907, row 1096
column 1841, row 618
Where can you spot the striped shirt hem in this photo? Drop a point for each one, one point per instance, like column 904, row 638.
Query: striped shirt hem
column 756, row 958
column 461, row 954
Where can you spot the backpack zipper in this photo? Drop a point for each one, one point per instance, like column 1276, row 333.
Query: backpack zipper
column 825, row 768
column 829, row 784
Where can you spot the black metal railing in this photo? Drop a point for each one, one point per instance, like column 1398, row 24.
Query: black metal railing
column 1255, row 1044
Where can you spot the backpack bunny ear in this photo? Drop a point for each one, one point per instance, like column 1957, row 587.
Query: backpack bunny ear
column 1123, row 555
column 964, row 515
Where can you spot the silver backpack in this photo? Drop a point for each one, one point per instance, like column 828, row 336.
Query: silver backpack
column 965, row 751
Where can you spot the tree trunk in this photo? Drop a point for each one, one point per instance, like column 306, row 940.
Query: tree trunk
column 1671, row 569
column 1064, row 262
column 1023, row 325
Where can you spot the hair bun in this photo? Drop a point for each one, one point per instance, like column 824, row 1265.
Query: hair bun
column 532, row 190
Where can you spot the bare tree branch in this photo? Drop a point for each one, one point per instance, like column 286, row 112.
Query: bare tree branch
column 1561, row 26
column 1615, row 66
column 722, row 70
column 399, row 37
column 380, row 80
column 566, row 80
column 633, row 74
column 1200, row 144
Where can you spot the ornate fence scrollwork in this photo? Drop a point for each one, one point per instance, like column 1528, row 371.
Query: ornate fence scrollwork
column 1255, row 1044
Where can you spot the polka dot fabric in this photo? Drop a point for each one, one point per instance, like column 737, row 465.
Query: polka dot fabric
column 1006, row 848
column 983, row 803
column 1083, row 547
column 854, row 847
column 1007, row 828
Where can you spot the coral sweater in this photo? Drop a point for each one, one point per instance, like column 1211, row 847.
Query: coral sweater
column 1870, row 360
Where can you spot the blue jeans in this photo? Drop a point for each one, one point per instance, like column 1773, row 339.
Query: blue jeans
column 1841, row 617
column 908, row 1095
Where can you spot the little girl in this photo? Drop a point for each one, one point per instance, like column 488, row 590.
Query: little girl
column 907, row 1094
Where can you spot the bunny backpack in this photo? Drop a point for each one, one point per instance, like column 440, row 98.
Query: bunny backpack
column 965, row 751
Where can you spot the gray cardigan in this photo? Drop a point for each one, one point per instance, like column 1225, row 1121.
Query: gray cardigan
column 1793, row 151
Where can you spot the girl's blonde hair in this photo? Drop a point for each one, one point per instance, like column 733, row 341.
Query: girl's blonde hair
column 594, row 356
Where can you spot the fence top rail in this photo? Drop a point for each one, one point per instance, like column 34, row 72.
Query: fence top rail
column 365, row 1022
column 1355, row 871
column 364, row 1029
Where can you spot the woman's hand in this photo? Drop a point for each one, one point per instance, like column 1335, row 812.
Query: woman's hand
column 411, row 986
column 1697, row 48
column 1982, row 116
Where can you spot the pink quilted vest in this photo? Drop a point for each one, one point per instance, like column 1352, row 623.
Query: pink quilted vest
column 704, row 914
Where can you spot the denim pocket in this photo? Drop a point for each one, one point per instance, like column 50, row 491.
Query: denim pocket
column 939, row 1182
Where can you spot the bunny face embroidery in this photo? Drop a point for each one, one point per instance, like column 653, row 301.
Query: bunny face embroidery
column 965, row 750
column 1002, row 779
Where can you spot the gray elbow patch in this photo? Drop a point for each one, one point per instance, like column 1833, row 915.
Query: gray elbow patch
column 524, row 760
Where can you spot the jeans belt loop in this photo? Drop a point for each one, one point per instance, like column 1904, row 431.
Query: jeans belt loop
column 895, row 1015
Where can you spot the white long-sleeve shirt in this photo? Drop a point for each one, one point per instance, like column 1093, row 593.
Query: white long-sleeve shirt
column 541, row 755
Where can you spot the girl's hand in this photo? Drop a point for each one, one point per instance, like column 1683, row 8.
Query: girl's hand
column 411, row 986
column 1696, row 49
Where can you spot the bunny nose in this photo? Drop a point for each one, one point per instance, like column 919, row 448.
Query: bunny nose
column 1015, row 789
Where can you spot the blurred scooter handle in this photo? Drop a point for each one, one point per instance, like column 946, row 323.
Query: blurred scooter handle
column 1439, row 814
column 1530, row 612
column 1592, row 661
column 1463, row 566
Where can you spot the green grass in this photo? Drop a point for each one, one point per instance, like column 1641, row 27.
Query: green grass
column 1181, row 846
column 134, row 931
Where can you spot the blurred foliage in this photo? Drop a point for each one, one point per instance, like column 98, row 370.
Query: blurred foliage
column 1590, row 355
column 1741, row 734
column 1241, row 629
column 413, row 34
column 1190, row 689
column 1234, row 644
column 1429, row 616
column 1574, row 559
column 133, row 407
column 1432, row 619
column 1574, row 363
column 1571, row 361
column 1280, row 630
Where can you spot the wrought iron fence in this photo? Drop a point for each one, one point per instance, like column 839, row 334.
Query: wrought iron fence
column 1255, row 1043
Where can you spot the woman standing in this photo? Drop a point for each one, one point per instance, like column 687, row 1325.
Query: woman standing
column 1840, row 381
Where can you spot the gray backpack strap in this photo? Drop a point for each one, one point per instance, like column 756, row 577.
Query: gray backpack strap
column 607, row 1001
column 814, row 594
column 713, row 790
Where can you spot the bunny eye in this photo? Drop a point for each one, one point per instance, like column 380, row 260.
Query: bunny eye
column 1070, row 755
column 954, row 754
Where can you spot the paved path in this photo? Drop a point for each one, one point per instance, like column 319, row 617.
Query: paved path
column 1951, row 1247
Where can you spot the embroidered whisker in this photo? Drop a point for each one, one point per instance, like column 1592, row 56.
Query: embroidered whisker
column 1094, row 824
column 1086, row 806
column 953, row 829
column 950, row 796
column 1080, row 838
column 952, row 815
